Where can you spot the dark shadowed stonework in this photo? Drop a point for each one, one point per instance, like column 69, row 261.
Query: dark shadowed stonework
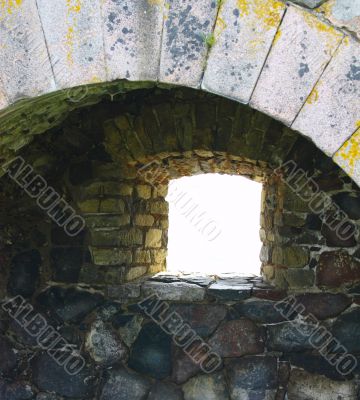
column 112, row 162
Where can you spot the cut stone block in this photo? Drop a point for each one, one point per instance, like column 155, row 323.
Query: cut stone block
column 348, row 157
column 75, row 45
column 332, row 111
column 132, row 36
column 343, row 13
column 188, row 27
column 177, row 291
column 243, row 35
column 302, row 48
column 25, row 68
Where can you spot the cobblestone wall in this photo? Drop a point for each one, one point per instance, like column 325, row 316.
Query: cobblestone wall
column 113, row 166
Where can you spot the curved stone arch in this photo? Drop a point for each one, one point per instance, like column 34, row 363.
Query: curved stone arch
column 290, row 63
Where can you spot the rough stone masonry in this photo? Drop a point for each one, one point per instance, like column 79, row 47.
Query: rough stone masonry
column 93, row 92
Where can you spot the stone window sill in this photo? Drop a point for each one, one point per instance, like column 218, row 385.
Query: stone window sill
column 228, row 287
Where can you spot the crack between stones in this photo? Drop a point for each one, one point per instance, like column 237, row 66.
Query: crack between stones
column 318, row 80
column 267, row 56
column 46, row 45
column 209, row 48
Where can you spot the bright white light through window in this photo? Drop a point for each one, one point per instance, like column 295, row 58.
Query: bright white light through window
column 214, row 224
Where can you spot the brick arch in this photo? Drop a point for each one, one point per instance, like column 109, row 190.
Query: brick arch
column 290, row 63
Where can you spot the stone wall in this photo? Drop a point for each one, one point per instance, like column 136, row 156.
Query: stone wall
column 264, row 354
column 112, row 162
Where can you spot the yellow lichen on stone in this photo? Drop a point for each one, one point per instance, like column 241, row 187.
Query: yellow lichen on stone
column 346, row 41
column 277, row 36
column 69, row 43
column 73, row 6
column 10, row 5
column 349, row 154
column 319, row 25
column 313, row 97
column 267, row 11
column 243, row 7
column 155, row 2
column 326, row 8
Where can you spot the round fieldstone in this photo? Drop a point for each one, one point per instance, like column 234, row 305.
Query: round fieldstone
column 124, row 385
column 346, row 329
column 151, row 352
column 324, row 305
column 337, row 268
column 183, row 367
column 211, row 386
column 349, row 204
column 289, row 336
column 257, row 310
column 237, row 338
column 203, row 318
column 104, row 346
column 49, row 376
column 163, row 390
column 307, row 386
column 333, row 239
column 251, row 376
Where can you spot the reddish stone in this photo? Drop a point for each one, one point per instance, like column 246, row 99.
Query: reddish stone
column 183, row 367
column 337, row 268
column 333, row 239
column 203, row 318
column 238, row 338
column 324, row 305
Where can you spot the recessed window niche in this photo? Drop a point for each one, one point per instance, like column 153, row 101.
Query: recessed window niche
column 214, row 224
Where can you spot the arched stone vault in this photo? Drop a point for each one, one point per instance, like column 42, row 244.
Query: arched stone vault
column 284, row 60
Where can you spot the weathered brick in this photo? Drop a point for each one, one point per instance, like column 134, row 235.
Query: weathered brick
column 107, row 221
column 144, row 220
column 112, row 256
column 129, row 237
column 153, row 238
column 143, row 191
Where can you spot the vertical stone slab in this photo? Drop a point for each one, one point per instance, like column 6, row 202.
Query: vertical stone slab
column 348, row 157
column 188, row 29
column 73, row 35
column 243, row 36
column 25, row 68
column 332, row 111
column 132, row 36
column 302, row 48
